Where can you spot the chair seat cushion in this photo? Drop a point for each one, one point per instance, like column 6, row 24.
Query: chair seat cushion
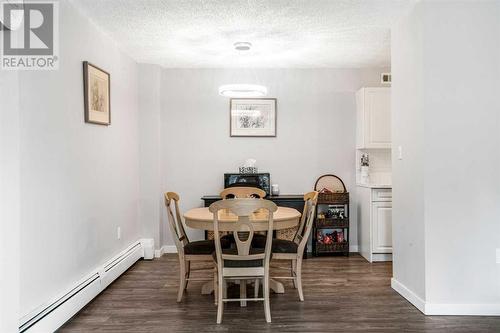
column 258, row 240
column 242, row 263
column 284, row 246
column 203, row 247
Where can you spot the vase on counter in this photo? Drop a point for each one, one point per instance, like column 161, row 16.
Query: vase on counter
column 365, row 169
column 365, row 174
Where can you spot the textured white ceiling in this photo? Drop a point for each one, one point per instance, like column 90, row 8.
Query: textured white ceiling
column 284, row 33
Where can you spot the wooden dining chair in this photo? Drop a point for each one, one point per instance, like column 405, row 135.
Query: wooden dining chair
column 244, row 261
column 197, row 251
column 259, row 239
column 293, row 250
column 242, row 192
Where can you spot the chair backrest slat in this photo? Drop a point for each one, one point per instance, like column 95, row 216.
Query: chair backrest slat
column 243, row 229
column 243, row 235
column 310, row 199
column 242, row 192
column 307, row 219
column 175, row 221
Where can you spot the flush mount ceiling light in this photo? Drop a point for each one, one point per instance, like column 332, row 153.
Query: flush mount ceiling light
column 242, row 46
column 242, row 90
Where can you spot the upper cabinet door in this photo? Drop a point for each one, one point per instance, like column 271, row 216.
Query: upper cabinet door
column 373, row 118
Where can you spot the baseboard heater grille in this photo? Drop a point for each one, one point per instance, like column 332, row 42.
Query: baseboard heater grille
column 121, row 257
column 60, row 301
column 52, row 316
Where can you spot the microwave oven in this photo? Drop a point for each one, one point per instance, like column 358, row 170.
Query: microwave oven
column 259, row 180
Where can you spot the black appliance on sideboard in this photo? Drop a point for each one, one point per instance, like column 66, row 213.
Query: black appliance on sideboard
column 259, row 180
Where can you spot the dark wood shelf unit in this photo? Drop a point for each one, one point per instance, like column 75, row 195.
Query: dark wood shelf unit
column 328, row 223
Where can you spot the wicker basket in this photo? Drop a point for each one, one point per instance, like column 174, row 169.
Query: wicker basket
column 286, row 233
column 333, row 247
column 332, row 223
column 338, row 198
column 330, row 182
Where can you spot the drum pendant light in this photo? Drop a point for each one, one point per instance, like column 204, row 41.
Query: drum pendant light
column 242, row 89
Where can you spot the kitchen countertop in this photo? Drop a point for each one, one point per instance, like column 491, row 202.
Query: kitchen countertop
column 374, row 185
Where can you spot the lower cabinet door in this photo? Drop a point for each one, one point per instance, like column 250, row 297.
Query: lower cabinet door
column 382, row 227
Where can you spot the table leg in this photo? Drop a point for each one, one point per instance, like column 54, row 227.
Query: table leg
column 276, row 286
column 207, row 288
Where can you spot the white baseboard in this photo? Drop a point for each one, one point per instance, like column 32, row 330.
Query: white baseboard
column 438, row 309
column 169, row 249
column 378, row 257
column 435, row 309
column 165, row 249
column 408, row 294
column 53, row 314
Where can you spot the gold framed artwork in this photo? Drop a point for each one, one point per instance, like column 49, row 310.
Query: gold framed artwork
column 252, row 117
column 96, row 86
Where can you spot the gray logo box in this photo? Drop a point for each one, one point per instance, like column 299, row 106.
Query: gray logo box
column 30, row 35
column 45, row 32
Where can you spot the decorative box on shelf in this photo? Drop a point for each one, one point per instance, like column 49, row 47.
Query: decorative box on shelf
column 248, row 170
column 331, row 224
column 333, row 197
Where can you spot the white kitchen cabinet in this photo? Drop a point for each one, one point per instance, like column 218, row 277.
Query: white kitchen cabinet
column 374, row 208
column 373, row 116
column 382, row 227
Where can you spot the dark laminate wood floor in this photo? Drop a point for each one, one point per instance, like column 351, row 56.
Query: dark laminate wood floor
column 341, row 294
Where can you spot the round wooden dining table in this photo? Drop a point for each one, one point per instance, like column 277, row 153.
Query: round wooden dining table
column 202, row 218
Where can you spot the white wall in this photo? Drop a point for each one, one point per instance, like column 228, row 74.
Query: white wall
column 149, row 151
column 79, row 181
column 462, row 184
column 449, row 54
column 9, row 201
column 408, row 174
column 315, row 133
